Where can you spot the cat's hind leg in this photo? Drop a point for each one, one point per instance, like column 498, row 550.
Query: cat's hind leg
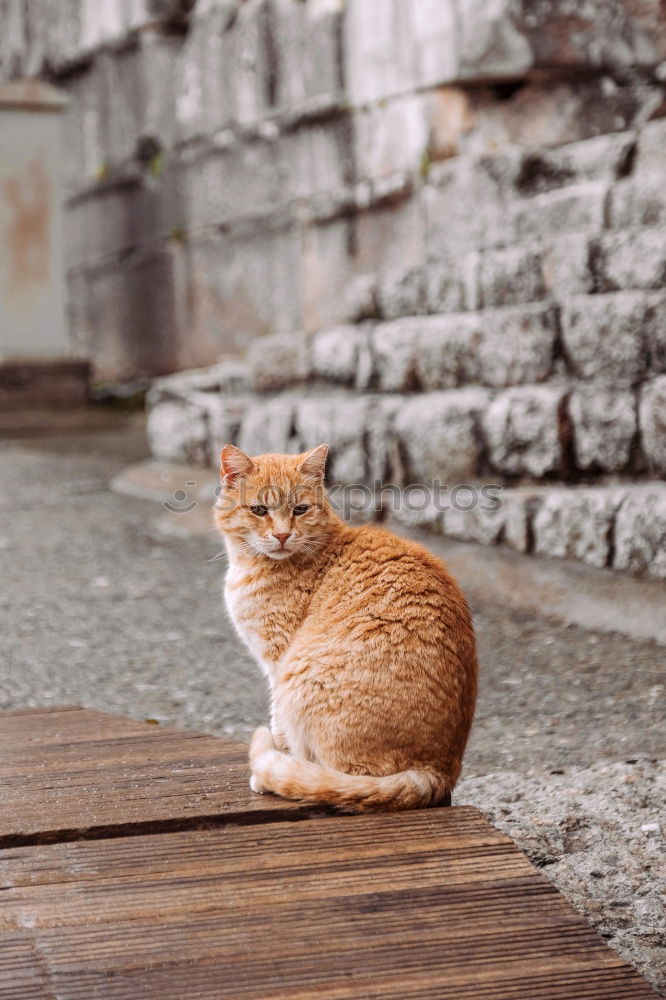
column 277, row 732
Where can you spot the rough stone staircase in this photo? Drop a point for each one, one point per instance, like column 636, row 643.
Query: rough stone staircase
column 527, row 353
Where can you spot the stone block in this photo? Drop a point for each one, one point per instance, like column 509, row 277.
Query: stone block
column 360, row 299
column 13, row 52
column 446, row 349
column 509, row 522
column 545, row 113
column 650, row 148
column 456, row 184
column 242, row 284
column 402, row 293
column 574, row 209
column 519, row 507
column 224, row 417
column 335, row 355
column 99, row 136
column 226, row 379
column 405, row 134
column 159, row 54
column 268, row 427
column 491, row 41
column 600, row 158
column 576, row 524
column 178, row 432
column 223, row 185
column 496, row 347
column 248, row 64
column 315, row 161
column 609, row 35
column 652, row 420
column 517, row 345
column 565, row 263
column 384, row 245
column 107, row 21
column 118, row 79
column 414, row 508
column 640, row 532
column 125, row 212
column 305, row 42
column 510, row 276
column 639, row 200
column 120, row 101
column 381, row 451
column 655, row 333
column 475, row 525
column 242, row 63
column 129, row 316
column 203, row 95
column 278, row 361
column 438, row 435
column 522, row 429
column 394, row 351
column 603, row 336
column 341, row 422
column 396, row 46
column 391, row 137
column 328, row 266
column 445, row 286
column 631, row 259
column 604, row 427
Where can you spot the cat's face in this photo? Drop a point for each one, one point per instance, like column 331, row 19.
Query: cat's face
column 274, row 505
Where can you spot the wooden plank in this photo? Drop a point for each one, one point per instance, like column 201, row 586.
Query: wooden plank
column 435, row 903
column 39, row 711
column 74, row 773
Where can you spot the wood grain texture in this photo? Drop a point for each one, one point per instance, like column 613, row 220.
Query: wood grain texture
column 240, row 903
column 429, row 904
column 68, row 773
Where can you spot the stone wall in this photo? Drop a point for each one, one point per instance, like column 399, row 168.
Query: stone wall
column 435, row 228
column 535, row 361
column 237, row 168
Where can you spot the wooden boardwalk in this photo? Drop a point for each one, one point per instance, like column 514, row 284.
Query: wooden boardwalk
column 135, row 863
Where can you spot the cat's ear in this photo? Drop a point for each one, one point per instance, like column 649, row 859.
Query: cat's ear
column 234, row 464
column 314, row 463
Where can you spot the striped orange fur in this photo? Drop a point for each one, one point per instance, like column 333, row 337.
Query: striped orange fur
column 365, row 639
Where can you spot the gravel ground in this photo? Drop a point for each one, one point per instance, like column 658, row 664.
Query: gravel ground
column 101, row 609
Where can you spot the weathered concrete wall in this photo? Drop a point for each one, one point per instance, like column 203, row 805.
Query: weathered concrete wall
column 237, row 168
column 32, row 273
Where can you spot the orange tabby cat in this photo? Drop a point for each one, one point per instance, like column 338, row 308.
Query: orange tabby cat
column 366, row 641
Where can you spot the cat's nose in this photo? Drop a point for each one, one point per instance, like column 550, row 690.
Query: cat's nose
column 282, row 537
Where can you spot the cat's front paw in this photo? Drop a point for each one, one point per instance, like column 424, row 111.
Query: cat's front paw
column 255, row 785
column 262, row 741
column 280, row 741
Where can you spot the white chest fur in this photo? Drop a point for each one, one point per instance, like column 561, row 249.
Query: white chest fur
column 241, row 599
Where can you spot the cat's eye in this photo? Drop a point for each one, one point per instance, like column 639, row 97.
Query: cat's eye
column 302, row 508
column 259, row 511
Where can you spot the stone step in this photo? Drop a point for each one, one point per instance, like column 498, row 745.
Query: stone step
column 459, row 452
column 619, row 526
column 618, row 338
column 561, row 429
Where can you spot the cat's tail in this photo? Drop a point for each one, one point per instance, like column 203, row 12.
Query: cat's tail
column 274, row 771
